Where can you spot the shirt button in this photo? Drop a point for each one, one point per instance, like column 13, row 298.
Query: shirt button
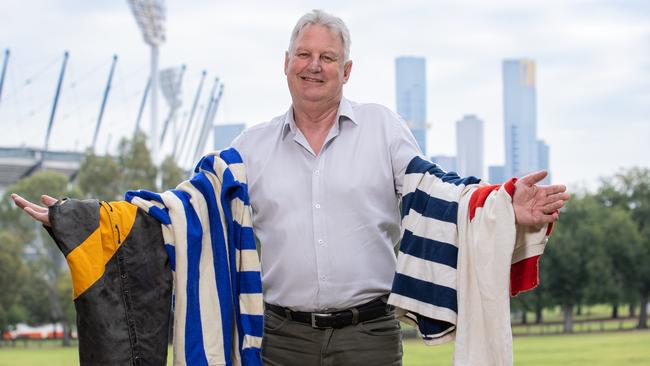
column 316, row 172
column 321, row 242
column 322, row 277
column 317, row 205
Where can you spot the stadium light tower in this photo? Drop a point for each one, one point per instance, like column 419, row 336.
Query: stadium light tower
column 150, row 16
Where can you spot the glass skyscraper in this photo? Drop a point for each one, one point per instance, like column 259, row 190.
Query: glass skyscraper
column 519, row 113
column 224, row 134
column 411, row 95
column 469, row 146
column 524, row 152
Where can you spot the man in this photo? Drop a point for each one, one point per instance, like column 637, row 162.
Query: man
column 325, row 181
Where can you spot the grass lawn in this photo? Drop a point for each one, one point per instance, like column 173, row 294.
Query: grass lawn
column 596, row 349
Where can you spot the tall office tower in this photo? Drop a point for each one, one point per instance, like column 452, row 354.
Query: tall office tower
column 542, row 160
column 519, row 112
column 447, row 163
column 224, row 134
column 411, row 95
column 469, row 146
column 496, row 174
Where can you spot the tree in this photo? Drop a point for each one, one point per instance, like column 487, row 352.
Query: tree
column 99, row 177
column 566, row 257
column 630, row 190
column 171, row 173
column 12, row 278
column 43, row 257
column 614, row 247
column 134, row 160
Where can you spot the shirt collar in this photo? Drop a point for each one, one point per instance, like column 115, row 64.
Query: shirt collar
column 345, row 112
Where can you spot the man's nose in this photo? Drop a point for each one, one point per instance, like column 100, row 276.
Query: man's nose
column 315, row 65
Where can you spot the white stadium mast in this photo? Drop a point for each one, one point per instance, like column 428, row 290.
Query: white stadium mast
column 150, row 16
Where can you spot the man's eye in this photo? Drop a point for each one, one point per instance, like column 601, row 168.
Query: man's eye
column 303, row 54
column 328, row 58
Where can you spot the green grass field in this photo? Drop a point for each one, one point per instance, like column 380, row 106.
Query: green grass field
column 597, row 349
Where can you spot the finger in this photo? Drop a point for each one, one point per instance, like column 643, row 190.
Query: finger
column 38, row 216
column 553, row 207
column 533, row 178
column 561, row 196
column 23, row 203
column 556, row 188
column 48, row 201
column 547, row 219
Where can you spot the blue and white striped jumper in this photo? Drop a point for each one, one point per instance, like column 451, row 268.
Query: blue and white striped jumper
column 206, row 224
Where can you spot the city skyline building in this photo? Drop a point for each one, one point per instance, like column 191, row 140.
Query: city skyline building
column 469, row 146
column 446, row 162
column 542, row 159
column 496, row 174
column 524, row 153
column 411, row 95
column 225, row 133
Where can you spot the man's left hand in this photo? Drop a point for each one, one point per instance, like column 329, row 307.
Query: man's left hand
column 536, row 205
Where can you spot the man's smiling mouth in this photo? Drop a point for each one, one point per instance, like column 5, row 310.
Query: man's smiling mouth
column 306, row 78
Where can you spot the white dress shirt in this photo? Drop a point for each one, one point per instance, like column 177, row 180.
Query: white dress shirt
column 327, row 223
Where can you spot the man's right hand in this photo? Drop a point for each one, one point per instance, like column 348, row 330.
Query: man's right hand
column 38, row 213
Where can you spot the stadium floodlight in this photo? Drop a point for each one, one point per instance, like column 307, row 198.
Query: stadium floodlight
column 171, row 80
column 150, row 16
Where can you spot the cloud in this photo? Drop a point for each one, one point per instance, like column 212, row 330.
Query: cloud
column 592, row 67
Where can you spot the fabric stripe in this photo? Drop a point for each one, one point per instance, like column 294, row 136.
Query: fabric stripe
column 171, row 253
column 428, row 249
column 425, row 291
column 432, row 185
column 430, row 228
column 429, row 206
column 479, row 197
column 524, row 275
column 194, row 351
column 220, row 257
column 426, row 271
column 248, row 260
column 419, row 165
column 249, row 283
column 418, row 308
column 253, row 324
column 251, row 304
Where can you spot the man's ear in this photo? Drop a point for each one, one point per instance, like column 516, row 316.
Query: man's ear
column 286, row 62
column 347, row 69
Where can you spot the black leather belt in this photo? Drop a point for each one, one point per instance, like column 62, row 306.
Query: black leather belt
column 336, row 319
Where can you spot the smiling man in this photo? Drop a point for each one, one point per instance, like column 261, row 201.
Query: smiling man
column 324, row 181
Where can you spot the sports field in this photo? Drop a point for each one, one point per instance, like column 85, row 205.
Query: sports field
column 603, row 349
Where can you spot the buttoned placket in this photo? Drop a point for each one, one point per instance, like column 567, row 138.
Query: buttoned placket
column 319, row 208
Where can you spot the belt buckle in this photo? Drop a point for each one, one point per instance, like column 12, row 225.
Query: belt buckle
column 313, row 320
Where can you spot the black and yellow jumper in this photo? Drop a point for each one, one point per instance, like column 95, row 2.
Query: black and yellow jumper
column 122, row 281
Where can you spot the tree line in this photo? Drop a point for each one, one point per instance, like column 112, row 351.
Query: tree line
column 599, row 251
column 35, row 284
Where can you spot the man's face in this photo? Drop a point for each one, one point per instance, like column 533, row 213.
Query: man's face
column 316, row 69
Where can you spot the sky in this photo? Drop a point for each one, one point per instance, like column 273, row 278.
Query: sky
column 592, row 61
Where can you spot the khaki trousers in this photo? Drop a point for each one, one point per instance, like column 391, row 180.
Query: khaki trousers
column 376, row 342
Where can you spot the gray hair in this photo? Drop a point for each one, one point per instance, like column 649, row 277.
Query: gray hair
column 319, row 17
